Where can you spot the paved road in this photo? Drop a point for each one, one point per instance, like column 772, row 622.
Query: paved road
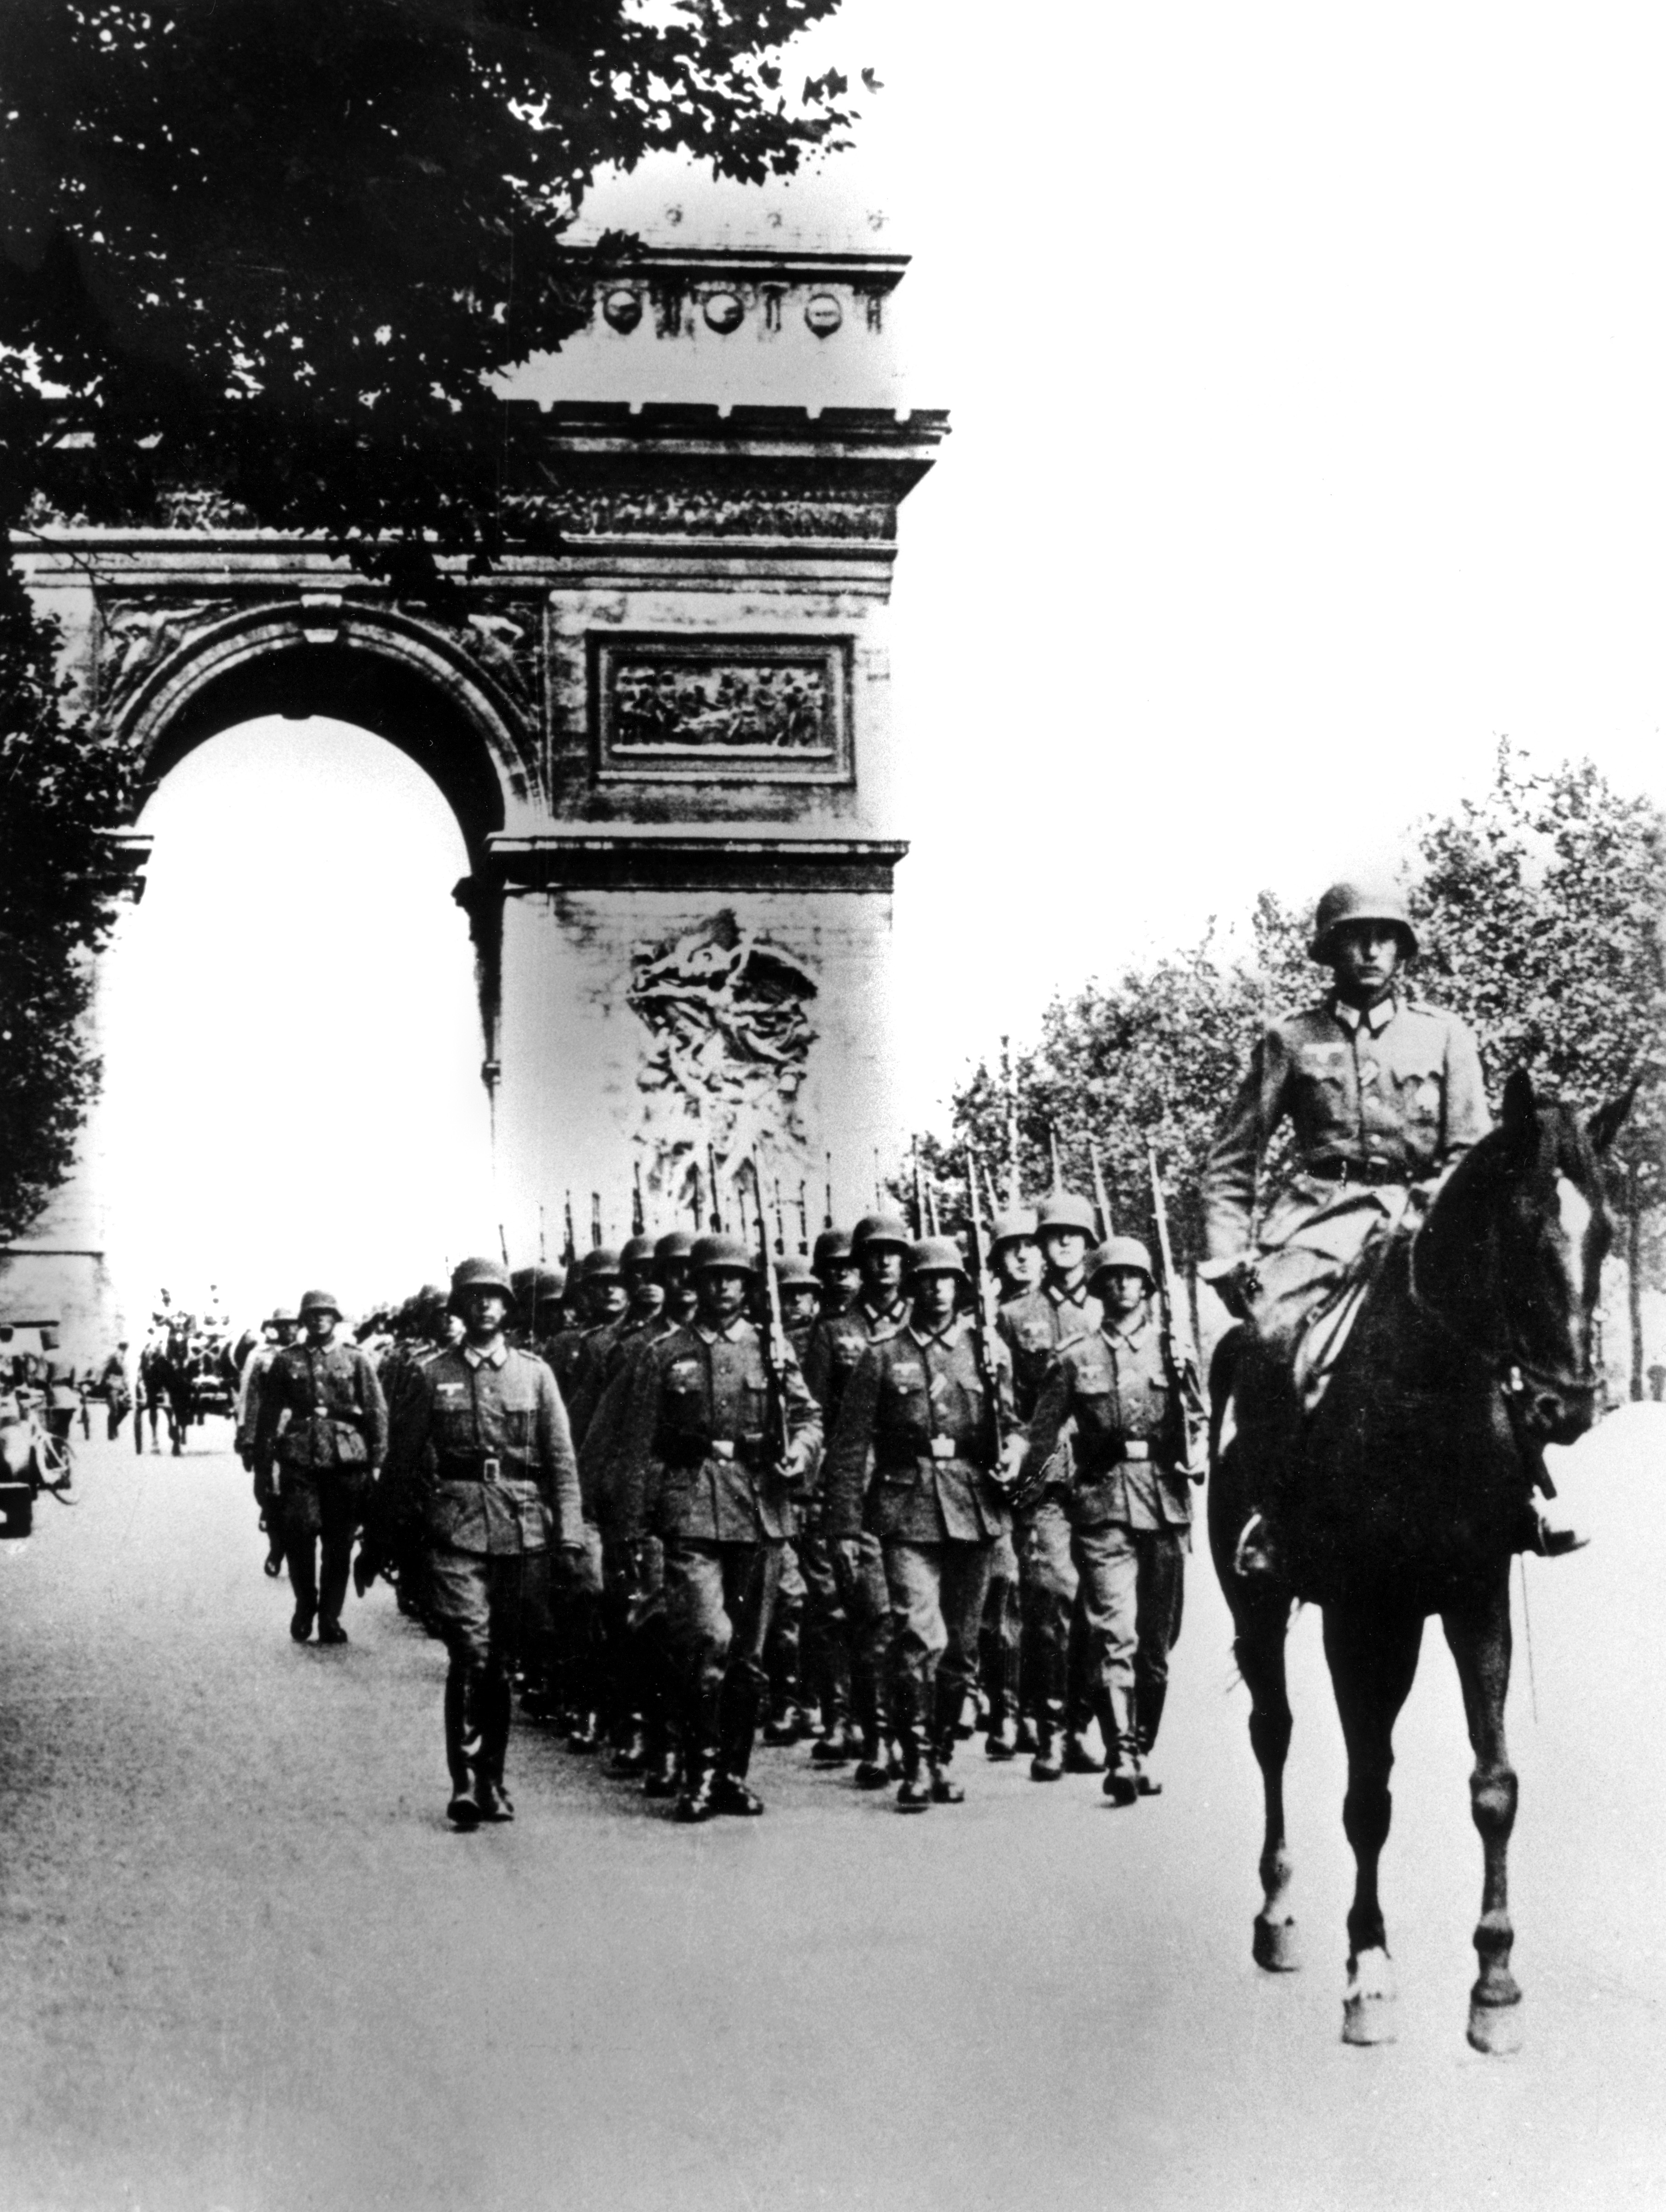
column 245, row 1964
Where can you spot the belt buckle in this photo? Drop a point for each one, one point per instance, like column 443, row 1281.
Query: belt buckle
column 942, row 1448
column 490, row 1469
column 723, row 1447
column 1136, row 1448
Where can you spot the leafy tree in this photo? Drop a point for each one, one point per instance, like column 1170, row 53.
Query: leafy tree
column 58, row 793
column 274, row 250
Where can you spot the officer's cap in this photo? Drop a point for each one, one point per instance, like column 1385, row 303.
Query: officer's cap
column 795, row 1273
column 320, row 1302
column 1064, row 1209
column 729, row 1252
column 937, row 1255
column 638, row 1253
column 1120, row 1252
column 477, row 1275
column 832, row 1249
column 1346, row 902
column 875, row 1230
column 600, row 1265
column 1017, row 1227
column 675, row 1244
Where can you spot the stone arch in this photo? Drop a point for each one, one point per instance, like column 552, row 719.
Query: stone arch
column 407, row 681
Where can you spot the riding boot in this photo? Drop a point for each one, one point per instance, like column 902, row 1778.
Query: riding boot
column 496, row 1704
column 946, row 1791
column 463, row 1744
column 1048, row 1764
column 736, row 1727
column 1124, row 1768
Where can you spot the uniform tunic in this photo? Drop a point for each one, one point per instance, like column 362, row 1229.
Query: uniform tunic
column 1379, row 1102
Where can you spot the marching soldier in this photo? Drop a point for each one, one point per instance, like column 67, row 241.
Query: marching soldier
column 279, row 1330
column 1382, row 1098
column 835, row 1270
column 799, row 1294
column 1015, row 1259
column 847, row 1602
column 707, row 1481
column 1014, row 1252
column 323, row 1431
column 1035, row 1328
column 1127, row 1503
column 482, row 1458
column 906, row 1463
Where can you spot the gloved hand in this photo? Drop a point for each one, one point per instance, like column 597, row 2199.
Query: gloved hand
column 1012, row 1461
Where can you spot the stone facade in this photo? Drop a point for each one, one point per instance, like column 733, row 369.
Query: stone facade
column 666, row 743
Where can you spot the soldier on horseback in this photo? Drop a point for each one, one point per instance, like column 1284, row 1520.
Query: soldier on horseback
column 1382, row 1097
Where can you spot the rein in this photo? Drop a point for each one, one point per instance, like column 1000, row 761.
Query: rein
column 1510, row 1368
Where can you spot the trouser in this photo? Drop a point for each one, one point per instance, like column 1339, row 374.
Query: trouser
column 633, row 1614
column 720, row 1599
column 486, row 1604
column 1047, row 1582
column 825, row 1634
column 936, row 1595
column 999, row 1633
column 1133, row 1582
column 322, row 1510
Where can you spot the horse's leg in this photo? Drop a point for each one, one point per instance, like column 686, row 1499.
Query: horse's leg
column 1372, row 1656
column 1479, row 1634
column 1260, row 1651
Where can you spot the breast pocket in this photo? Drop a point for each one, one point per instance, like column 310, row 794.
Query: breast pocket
column 1421, row 1093
column 1097, row 1414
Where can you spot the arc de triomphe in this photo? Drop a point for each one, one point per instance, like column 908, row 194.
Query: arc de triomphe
column 667, row 745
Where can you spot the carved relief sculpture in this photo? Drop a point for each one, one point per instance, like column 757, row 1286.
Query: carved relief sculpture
column 725, row 1010
column 690, row 709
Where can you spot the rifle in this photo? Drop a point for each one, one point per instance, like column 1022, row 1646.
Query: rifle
column 1106, row 1230
column 717, row 1204
column 569, row 1250
column 780, row 1227
column 827, row 1218
column 1178, row 1354
column 542, row 1252
column 595, row 1219
column 772, row 1337
column 638, row 1216
column 920, row 1228
column 699, row 1204
column 986, row 1352
column 503, row 1247
column 1053, row 1155
column 804, row 1219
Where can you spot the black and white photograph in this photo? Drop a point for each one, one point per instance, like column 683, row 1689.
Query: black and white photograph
column 832, row 1106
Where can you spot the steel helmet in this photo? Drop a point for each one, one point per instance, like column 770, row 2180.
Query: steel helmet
column 832, row 1249
column 520, row 1284
column 938, row 1255
column 638, row 1253
column 1064, row 1209
column 548, row 1284
column 879, row 1229
column 281, row 1316
column 320, row 1302
column 600, row 1264
column 1017, row 1227
column 675, row 1244
column 1346, row 902
column 794, row 1272
column 477, row 1275
column 1120, row 1252
column 729, row 1252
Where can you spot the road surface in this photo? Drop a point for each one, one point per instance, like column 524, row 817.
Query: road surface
column 246, row 1966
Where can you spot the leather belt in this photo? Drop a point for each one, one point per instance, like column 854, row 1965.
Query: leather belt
column 1367, row 1171
column 484, row 1469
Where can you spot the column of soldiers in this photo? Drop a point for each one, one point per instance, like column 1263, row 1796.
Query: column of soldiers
column 679, row 1507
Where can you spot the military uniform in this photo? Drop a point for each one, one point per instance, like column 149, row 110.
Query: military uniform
column 1128, row 1510
column 483, row 1459
column 694, row 1436
column 847, row 1602
column 324, row 1421
column 1381, row 1102
column 904, row 1467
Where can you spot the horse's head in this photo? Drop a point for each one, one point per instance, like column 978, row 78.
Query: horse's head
column 1516, row 1243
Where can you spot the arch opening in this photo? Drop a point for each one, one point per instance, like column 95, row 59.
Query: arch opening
column 290, row 1024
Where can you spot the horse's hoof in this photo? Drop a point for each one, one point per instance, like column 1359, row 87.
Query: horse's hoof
column 1368, row 2005
column 1495, row 2030
column 1274, row 1945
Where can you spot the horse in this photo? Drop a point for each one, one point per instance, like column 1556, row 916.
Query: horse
column 1406, row 1495
column 166, row 1377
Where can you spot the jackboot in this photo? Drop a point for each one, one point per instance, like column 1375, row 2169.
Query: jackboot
column 1077, row 1758
column 736, row 1727
column 914, row 1791
column 301, row 1551
column 875, row 1769
column 1048, row 1764
column 694, row 1800
column 1000, row 1731
column 786, row 1722
column 463, row 1746
column 1149, row 1699
column 838, row 1743
column 1124, row 1768
column 496, row 1705
column 944, row 1790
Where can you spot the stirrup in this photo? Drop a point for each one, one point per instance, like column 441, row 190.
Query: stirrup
column 1549, row 1541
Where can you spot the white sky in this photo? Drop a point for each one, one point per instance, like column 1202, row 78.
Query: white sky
column 1306, row 368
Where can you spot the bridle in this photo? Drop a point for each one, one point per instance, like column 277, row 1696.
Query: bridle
column 1518, row 1376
